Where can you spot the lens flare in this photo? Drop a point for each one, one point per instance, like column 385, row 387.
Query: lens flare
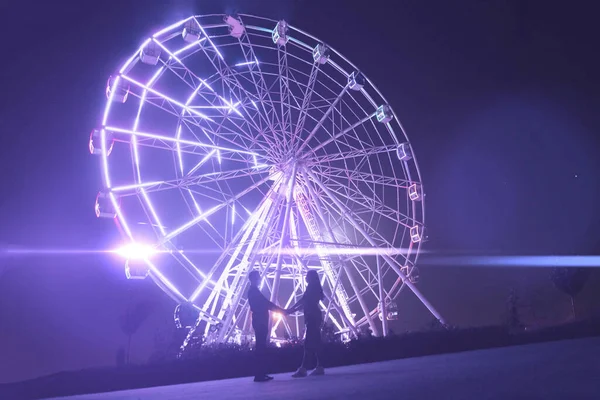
column 136, row 251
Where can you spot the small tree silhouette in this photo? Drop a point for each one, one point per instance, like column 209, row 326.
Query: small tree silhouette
column 570, row 281
column 131, row 321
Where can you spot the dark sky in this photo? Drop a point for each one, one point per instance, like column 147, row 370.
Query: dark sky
column 499, row 98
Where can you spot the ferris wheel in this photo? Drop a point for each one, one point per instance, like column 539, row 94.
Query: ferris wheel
column 233, row 143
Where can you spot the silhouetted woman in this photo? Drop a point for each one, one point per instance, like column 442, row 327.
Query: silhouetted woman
column 313, row 320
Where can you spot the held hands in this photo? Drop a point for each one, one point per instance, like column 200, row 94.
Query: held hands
column 286, row 311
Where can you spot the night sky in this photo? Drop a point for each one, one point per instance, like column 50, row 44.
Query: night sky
column 500, row 100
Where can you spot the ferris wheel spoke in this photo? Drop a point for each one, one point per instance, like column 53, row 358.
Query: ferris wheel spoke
column 218, row 103
column 312, row 150
column 306, row 100
column 367, row 275
column 297, row 290
column 227, row 112
column 260, row 85
column 159, row 186
column 272, row 332
column 319, row 209
column 194, row 209
column 352, row 154
column 347, row 214
column 231, row 137
column 251, row 255
column 251, row 108
column 228, row 136
column 285, row 95
column 337, row 291
column 322, row 120
column 347, row 320
column 297, row 94
column 373, row 234
column 232, row 251
column 357, row 175
column 174, row 103
column 183, row 142
column 226, row 75
column 343, row 314
column 132, row 190
column 173, row 57
column 285, row 230
column 220, row 176
column 257, row 73
column 203, row 89
column 381, row 242
column 246, row 97
column 214, row 209
column 367, row 204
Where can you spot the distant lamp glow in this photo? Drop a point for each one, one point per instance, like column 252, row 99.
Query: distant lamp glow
column 135, row 251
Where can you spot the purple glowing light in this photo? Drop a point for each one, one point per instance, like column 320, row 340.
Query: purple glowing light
column 136, row 251
column 242, row 64
column 164, row 97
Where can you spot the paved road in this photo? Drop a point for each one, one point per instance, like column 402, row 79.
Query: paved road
column 558, row 370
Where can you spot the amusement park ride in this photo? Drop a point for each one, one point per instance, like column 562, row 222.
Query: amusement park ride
column 233, row 143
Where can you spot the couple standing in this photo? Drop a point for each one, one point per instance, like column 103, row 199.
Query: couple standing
column 260, row 307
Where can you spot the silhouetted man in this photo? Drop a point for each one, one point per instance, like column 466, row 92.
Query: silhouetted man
column 260, row 307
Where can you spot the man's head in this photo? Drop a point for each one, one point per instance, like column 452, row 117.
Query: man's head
column 254, row 278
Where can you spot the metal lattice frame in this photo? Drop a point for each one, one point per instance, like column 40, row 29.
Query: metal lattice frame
column 256, row 146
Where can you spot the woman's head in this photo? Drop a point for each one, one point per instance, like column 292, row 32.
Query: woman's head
column 314, row 284
column 312, row 278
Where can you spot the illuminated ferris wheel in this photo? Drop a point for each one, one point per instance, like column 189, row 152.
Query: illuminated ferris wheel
column 233, row 143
